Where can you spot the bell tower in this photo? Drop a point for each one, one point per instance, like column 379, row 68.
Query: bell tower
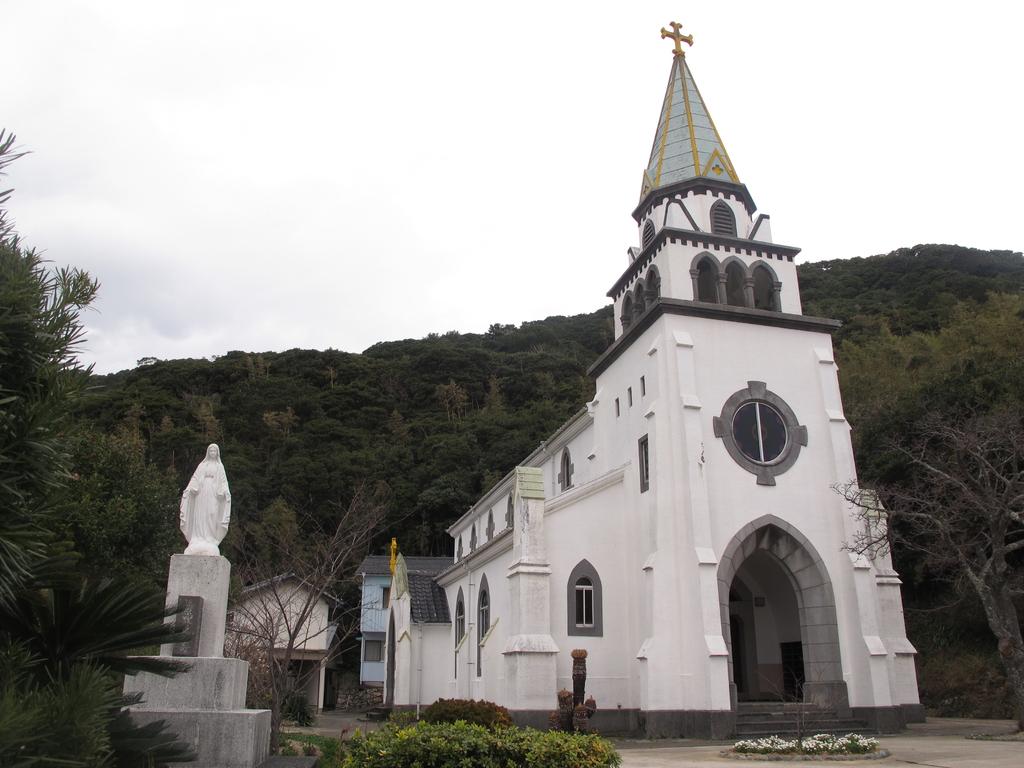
column 693, row 203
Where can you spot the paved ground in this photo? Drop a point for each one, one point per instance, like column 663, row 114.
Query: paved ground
column 938, row 743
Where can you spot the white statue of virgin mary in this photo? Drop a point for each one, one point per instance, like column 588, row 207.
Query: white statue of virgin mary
column 206, row 506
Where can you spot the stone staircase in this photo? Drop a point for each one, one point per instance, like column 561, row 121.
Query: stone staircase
column 755, row 719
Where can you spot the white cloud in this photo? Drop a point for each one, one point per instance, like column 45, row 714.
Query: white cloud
column 253, row 175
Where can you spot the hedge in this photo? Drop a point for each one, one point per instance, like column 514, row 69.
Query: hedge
column 463, row 745
column 485, row 713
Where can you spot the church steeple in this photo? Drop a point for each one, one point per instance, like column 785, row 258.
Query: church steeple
column 686, row 144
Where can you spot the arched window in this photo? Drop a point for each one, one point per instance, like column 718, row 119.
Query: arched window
column 707, row 281
column 483, row 603
column 565, row 475
column 584, row 599
column 460, row 626
column 735, row 279
column 652, row 285
column 458, row 549
column 639, row 303
column 472, row 537
column 765, row 294
column 723, row 221
column 627, row 312
column 648, row 235
column 509, row 512
column 490, row 525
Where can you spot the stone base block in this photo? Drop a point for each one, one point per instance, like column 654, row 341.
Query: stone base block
column 882, row 719
column 688, row 723
column 207, row 577
column 217, row 684
column 607, row 722
column 912, row 713
column 220, row 738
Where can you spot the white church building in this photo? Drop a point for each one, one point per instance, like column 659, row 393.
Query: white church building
column 683, row 528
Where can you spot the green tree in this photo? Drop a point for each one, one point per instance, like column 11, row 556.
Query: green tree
column 64, row 639
column 118, row 509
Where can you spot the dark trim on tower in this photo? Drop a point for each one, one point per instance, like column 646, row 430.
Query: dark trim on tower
column 698, row 185
column 706, row 240
column 713, row 312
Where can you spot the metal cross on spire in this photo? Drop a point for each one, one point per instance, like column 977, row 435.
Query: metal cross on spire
column 677, row 37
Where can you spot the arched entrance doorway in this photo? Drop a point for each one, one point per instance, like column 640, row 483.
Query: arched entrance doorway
column 779, row 618
column 389, row 676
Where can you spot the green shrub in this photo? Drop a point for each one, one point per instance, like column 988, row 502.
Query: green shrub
column 297, row 710
column 456, row 745
column 485, row 713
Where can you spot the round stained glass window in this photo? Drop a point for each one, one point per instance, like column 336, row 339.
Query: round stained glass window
column 759, row 431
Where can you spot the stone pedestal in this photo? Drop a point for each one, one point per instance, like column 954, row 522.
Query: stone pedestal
column 204, row 706
column 206, row 577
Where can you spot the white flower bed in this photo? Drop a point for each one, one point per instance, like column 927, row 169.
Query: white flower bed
column 819, row 744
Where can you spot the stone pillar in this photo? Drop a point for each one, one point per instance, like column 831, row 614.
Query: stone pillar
column 207, row 578
column 530, row 651
column 205, row 705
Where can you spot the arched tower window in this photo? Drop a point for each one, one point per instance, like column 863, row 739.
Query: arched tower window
column 565, row 472
column 490, row 525
column 648, row 235
column 735, row 279
column 652, row 285
column 510, row 509
column 483, row 609
column 458, row 549
column 723, row 221
column 639, row 303
column 766, row 296
column 584, row 599
column 627, row 312
column 706, row 281
column 472, row 537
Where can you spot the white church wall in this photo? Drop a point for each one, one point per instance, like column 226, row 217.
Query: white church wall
column 591, row 523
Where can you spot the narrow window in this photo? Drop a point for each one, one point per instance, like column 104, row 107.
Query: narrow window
column 484, row 618
column 643, row 386
column 616, row 407
column 723, row 221
column 490, row 525
column 460, row 627
column 472, row 538
column 565, row 476
column 385, row 597
column 458, row 550
column 509, row 511
column 460, row 618
column 645, row 464
column 584, row 603
column 629, row 396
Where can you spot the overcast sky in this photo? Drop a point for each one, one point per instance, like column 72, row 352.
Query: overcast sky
column 262, row 176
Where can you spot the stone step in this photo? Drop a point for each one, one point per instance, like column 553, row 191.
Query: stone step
column 378, row 714
column 760, row 717
column 779, row 706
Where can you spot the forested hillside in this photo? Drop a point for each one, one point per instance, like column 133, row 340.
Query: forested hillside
column 440, row 419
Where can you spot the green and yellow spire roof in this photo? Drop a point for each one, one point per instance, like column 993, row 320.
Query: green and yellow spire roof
column 687, row 144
